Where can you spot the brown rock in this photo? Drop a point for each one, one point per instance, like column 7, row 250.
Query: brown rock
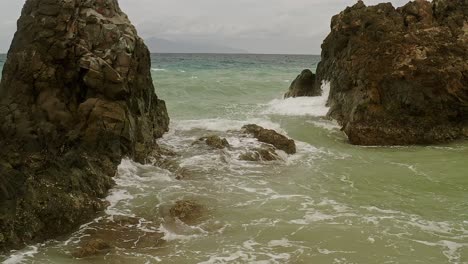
column 398, row 76
column 92, row 248
column 215, row 142
column 187, row 211
column 76, row 96
column 271, row 137
column 122, row 232
column 260, row 154
column 304, row 85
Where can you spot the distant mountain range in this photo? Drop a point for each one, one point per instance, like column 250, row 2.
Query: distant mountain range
column 158, row 45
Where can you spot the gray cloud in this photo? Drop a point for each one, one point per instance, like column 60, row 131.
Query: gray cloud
column 262, row 26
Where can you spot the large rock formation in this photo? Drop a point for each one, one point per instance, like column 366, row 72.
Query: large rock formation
column 304, row 85
column 399, row 76
column 75, row 97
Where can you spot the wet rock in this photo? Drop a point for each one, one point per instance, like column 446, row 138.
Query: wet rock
column 121, row 232
column 187, row 211
column 304, row 85
column 92, row 248
column 76, row 96
column 398, row 76
column 260, row 154
column 271, row 137
column 215, row 142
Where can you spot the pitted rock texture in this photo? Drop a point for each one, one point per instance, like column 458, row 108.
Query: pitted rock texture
column 271, row 137
column 399, row 76
column 304, row 85
column 76, row 96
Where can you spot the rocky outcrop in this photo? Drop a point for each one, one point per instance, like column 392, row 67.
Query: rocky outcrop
column 304, row 85
column 76, row 96
column 399, row 76
column 271, row 137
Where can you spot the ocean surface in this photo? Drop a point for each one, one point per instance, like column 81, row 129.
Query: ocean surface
column 329, row 203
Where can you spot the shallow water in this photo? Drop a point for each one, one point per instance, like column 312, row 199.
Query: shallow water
column 329, row 203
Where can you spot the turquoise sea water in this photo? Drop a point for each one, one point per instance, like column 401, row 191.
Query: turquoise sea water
column 330, row 203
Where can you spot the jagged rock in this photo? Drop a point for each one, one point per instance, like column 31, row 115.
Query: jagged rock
column 260, row 154
column 304, row 85
column 271, row 137
column 187, row 211
column 76, row 96
column 92, row 248
column 215, row 142
column 399, row 76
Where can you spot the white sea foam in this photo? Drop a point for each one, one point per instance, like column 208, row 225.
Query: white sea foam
column 21, row 256
column 451, row 250
column 171, row 236
column 326, row 124
column 158, row 69
column 223, row 125
column 300, row 106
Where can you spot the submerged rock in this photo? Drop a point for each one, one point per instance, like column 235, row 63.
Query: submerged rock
column 92, row 248
column 304, row 85
column 215, row 142
column 187, row 211
column 260, row 154
column 76, row 96
column 399, row 76
column 120, row 232
column 271, row 137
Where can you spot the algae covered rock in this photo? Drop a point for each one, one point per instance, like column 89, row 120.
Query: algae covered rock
column 304, row 85
column 399, row 76
column 271, row 137
column 76, row 96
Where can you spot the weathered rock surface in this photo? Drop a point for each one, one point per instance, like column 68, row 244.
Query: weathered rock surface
column 304, row 85
column 121, row 232
column 399, row 76
column 271, row 137
column 92, row 248
column 187, row 211
column 215, row 142
column 76, row 96
column 260, row 154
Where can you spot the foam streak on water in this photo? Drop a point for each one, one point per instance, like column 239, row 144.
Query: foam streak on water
column 329, row 203
column 301, row 106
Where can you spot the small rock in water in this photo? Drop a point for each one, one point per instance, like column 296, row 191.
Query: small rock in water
column 186, row 210
column 260, row 154
column 304, row 85
column 123, row 231
column 92, row 248
column 271, row 137
column 215, row 142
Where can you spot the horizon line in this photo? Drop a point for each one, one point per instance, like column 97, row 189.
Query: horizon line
column 227, row 53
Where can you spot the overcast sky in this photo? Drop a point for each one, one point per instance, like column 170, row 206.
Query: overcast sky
column 258, row 26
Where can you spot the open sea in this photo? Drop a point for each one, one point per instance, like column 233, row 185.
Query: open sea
column 329, row 203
